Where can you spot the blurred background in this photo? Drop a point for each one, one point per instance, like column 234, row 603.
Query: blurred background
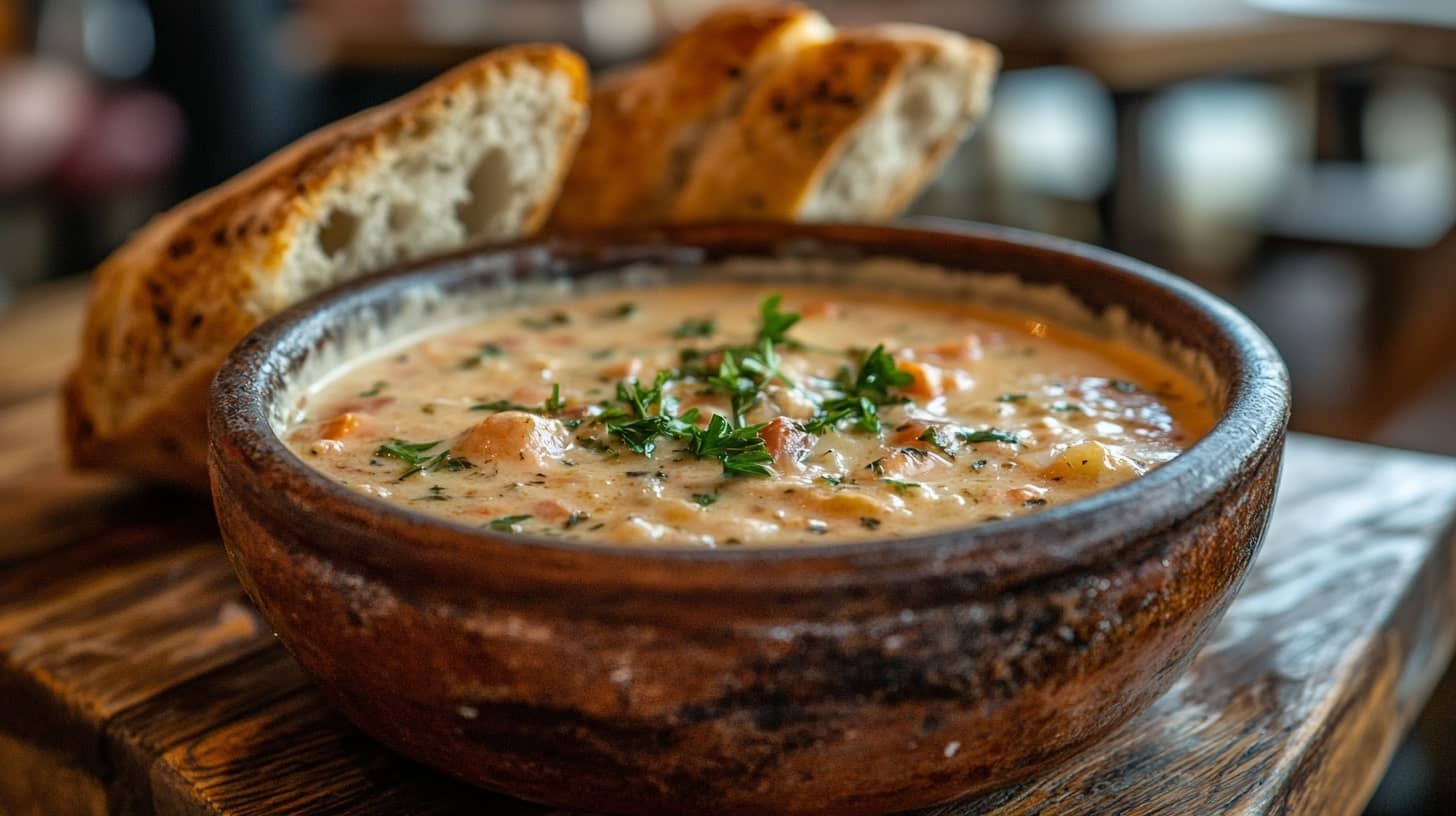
column 1296, row 156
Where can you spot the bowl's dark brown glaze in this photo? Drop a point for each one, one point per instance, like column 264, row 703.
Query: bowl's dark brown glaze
column 860, row 678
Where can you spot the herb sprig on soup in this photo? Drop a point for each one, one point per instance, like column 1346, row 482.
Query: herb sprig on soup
column 722, row 416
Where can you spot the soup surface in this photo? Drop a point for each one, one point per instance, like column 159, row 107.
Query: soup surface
column 733, row 415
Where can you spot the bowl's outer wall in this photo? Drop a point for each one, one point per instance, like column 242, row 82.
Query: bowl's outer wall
column 553, row 677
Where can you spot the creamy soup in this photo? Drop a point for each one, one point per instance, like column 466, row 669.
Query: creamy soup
column 736, row 415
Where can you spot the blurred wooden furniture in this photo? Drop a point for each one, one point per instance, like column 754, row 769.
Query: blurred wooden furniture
column 137, row 679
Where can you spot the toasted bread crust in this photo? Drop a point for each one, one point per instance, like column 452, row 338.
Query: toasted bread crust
column 797, row 121
column 646, row 120
column 169, row 304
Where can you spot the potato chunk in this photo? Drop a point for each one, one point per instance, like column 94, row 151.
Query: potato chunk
column 515, row 439
column 1092, row 462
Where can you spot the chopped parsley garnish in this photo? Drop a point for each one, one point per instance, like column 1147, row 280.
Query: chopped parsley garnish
column 574, row 519
column 740, row 449
column 414, row 455
column 862, row 394
column 1124, row 386
column 743, row 378
column 704, row 499
column 1011, row 398
column 869, row 522
column 878, row 373
column 832, row 481
column 373, row 390
column 901, row 486
column 621, row 310
column 862, row 410
column 1070, row 407
column 508, row 524
column 987, row 435
column 978, row 464
column 552, row 405
column 1034, row 502
column 695, row 327
column 486, row 350
column 773, row 323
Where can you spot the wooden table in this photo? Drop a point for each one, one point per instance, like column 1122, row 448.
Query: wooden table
column 135, row 678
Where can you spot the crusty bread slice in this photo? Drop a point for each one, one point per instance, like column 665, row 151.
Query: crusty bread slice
column 648, row 121
column 478, row 154
column 845, row 130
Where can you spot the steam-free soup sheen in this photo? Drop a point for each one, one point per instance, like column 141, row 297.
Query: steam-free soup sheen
column 716, row 416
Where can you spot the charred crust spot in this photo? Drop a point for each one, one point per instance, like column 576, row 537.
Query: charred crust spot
column 845, row 100
column 181, row 248
column 194, row 321
column 299, row 187
column 162, row 314
column 778, row 104
column 793, row 123
column 244, row 227
column 84, row 428
column 220, row 237
column 820, row 91
column 169, row 445
column 154, row 287
column 354, row 618
column 733, row 71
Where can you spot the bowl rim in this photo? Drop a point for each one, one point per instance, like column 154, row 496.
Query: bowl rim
column 1247, row 431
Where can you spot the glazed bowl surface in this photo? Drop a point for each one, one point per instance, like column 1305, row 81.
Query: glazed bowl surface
column 857, row 678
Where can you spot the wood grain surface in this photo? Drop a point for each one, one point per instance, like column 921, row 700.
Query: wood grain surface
column 135, row 677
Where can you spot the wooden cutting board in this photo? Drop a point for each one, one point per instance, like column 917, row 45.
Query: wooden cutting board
column 135, row 677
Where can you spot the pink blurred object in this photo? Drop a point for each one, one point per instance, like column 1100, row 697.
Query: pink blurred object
column 43, row 108
column 57, row 125
column 134, row 136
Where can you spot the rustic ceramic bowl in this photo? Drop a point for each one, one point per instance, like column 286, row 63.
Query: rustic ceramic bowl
column 860, row 678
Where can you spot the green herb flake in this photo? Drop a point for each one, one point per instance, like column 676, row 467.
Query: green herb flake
column 901, row 486
column 487, row 350
column 413, row 454
column 496, row 406
column 373, row 390
column 932, row 437
column 554, row 403
column 978, row 464
column 987, row 435
column 574, row 519
column 695, row 327
column 869, row 522
column 1124, row 386
column 1011, row 398
column 1034, row 502
column 832, row 481
column 621, row 310
column 1069, row 407
column 704, row 499
column 508, row 524
column 548, row 321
